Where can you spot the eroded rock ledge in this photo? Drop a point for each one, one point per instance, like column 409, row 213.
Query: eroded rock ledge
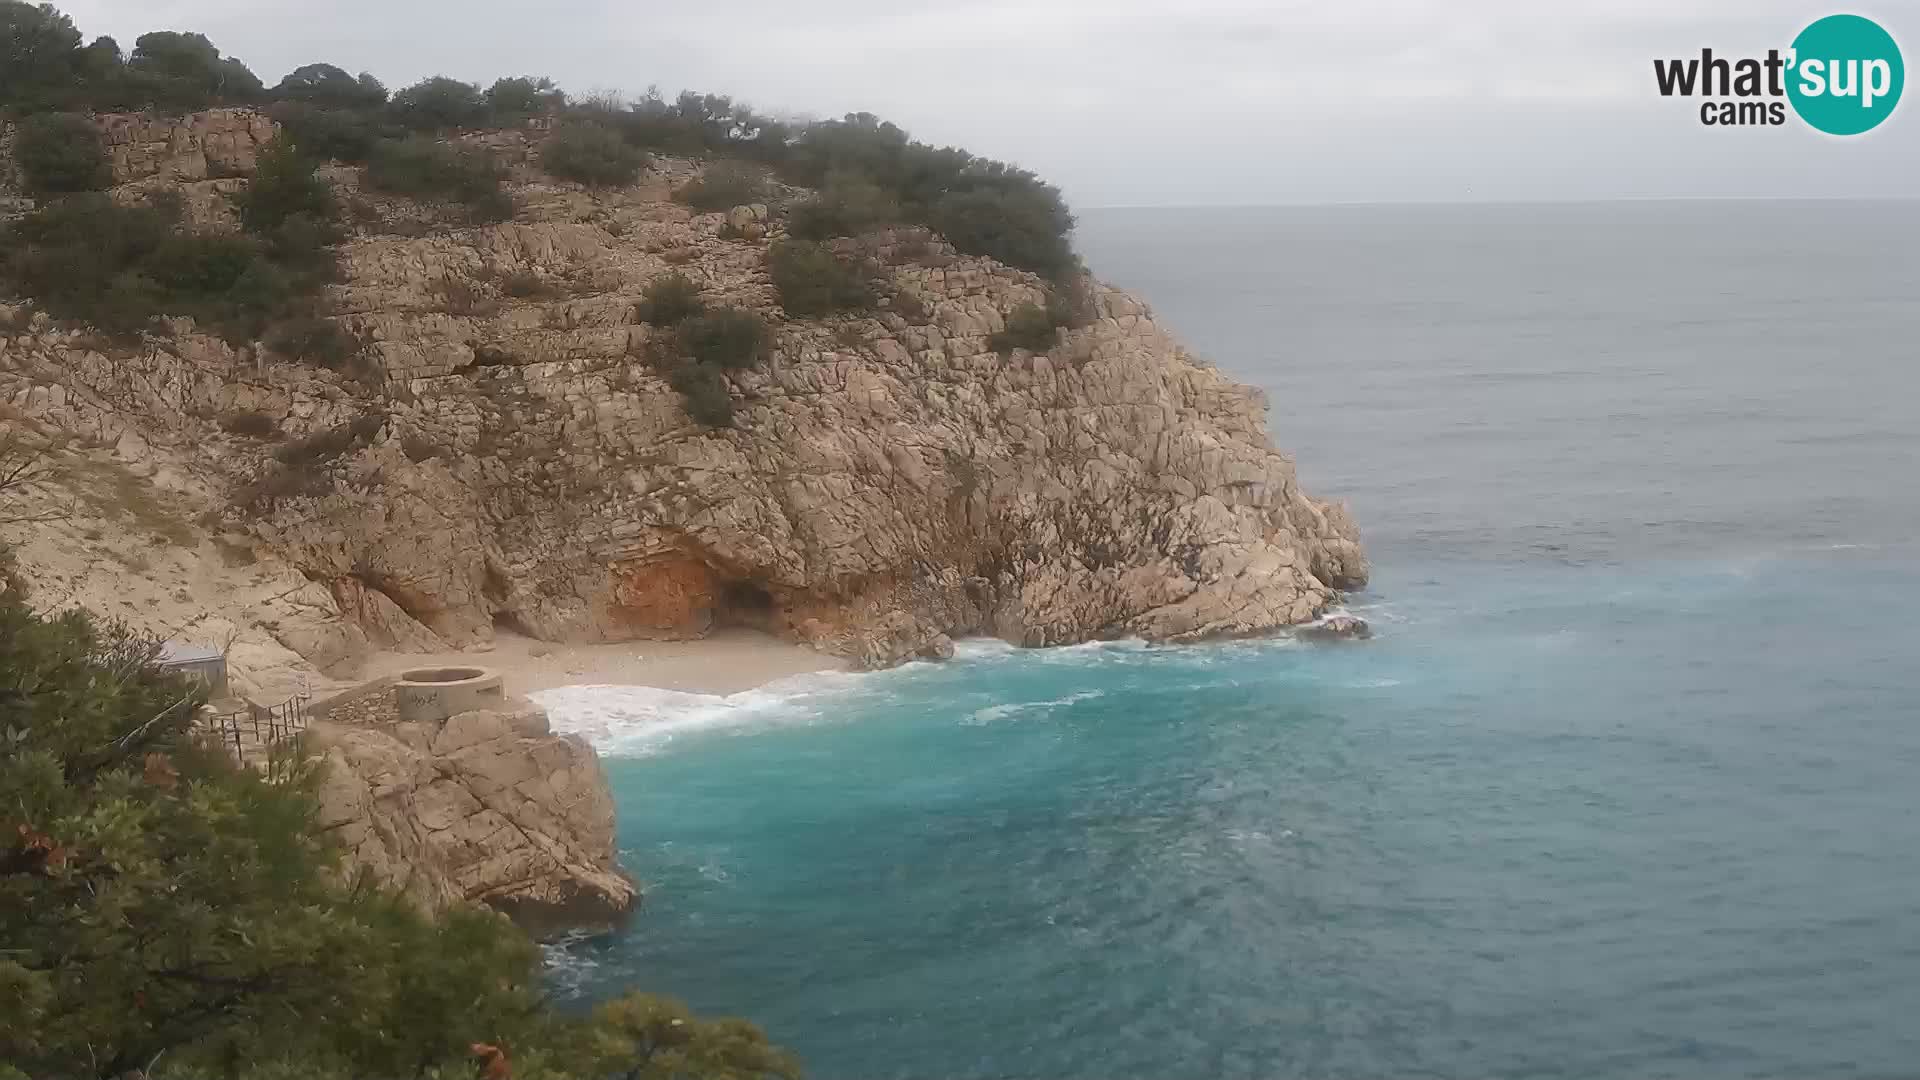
column 484, row 807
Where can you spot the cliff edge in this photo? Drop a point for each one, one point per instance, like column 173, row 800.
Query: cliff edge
column 484, row 807
column 511, row 456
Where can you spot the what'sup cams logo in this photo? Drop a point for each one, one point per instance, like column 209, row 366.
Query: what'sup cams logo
column 1842, row 75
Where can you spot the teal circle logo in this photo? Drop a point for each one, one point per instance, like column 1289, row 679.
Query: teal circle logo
column 1846, row 75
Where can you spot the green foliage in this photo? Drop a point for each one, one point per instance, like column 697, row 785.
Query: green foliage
column 727, row 338
column 423, row 169
column 39, row 54
column 1029, row 326
column 651, row 1038
column 327, row 85
column 284, row 187
column 313, row 340
column 1021, row 224
column 849, row 204
column 724, row 185
column 438, row 104
column 668, row 299
column 88, row 260
column 253, row 425
column 334, row 134
column 518, row 98
column 704, row 389
column 168, row 913
column 591, row 155
column 701, row 124
column 812, row 280
column 184, row 72
column 984, row 207
column 60, row 153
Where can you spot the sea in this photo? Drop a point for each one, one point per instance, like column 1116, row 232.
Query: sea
column 1627, row 784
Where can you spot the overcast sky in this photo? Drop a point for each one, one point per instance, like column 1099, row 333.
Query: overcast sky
column 1155, row 102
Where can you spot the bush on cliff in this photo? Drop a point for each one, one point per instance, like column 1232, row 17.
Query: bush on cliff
column 1030, row 327
column 85, row 259
column 705, row 392
column 423, row 169
column 849, row 204
column 592, row 155
column 61, row 153
column 984, row 207
column 439, row 104
column 669, row 299
column 327, row 85
column 284, row 187
column 812, row 280
column 336, row 134
column 724, row 185
column 730, row 339
column 522, row 96
column 169, row 914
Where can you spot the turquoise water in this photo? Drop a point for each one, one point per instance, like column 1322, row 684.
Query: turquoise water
column 1624, row 787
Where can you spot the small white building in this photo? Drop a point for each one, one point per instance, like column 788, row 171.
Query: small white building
column 200, row 662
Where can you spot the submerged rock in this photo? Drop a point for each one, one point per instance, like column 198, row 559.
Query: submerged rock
column 1336, row 628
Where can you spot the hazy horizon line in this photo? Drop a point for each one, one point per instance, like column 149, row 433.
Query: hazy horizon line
column 1537, row 201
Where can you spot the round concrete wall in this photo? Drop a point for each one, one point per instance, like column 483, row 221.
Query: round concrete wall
column 430, row 695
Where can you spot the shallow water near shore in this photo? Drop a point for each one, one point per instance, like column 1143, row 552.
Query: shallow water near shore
column 1624, row 786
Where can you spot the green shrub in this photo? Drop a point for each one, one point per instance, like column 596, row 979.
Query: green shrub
column 60, row 153
column 668, row 299
column 1031, row 327
column 313, row 340
column 812, row 280
column 325, row 84
column 86, row 259
column 438, row 104
column 183, row 72
column 724, row 185
column 527, row 285
column 727, row 338
column 334, row 134
column 521, row 97
column 591, row 155
column 166, row 910
column 708, row 398
column 849, row 205
column 253, row 425
column 284, row 186
column 1023, row 226
column 423, row 169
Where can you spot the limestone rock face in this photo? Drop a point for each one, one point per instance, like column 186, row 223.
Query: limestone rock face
column 202, row 146
column 891, row 481
column 486, row 807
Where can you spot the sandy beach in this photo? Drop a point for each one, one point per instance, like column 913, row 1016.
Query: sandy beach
column 726, row 663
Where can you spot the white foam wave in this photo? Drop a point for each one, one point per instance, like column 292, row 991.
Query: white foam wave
column 568, row 968
column 640, row 720
column 994, row 713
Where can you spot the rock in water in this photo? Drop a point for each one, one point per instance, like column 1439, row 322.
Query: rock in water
column 1336, row 628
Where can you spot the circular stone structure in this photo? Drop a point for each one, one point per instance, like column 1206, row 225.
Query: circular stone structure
column 430, row 695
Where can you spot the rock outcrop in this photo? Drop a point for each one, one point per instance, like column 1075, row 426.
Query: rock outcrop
column 891, row 481
column 485, row 807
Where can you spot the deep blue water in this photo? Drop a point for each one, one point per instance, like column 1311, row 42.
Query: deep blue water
column 1626, row 786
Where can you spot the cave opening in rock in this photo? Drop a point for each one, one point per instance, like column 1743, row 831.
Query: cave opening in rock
column 746, row 603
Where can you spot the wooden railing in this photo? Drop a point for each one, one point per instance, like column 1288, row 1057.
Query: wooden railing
column 258, row 735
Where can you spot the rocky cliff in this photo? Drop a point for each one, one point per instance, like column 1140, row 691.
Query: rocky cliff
column 485, row 807
column 510, row 457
